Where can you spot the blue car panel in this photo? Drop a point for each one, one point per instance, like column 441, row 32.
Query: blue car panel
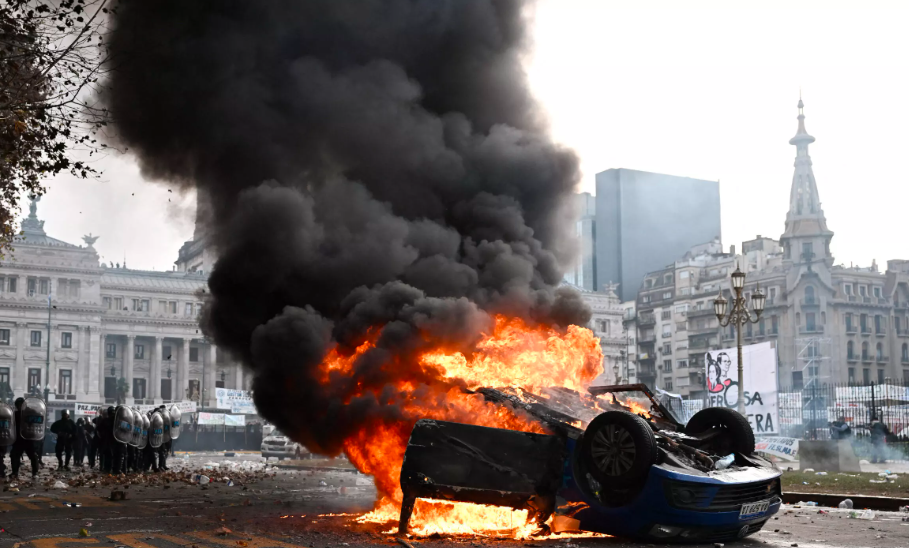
column 650, row 514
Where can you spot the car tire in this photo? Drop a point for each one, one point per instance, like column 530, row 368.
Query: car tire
column 740, row 436
column 618, row 449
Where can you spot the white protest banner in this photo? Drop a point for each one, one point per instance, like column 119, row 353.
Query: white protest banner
column 211, row 418
column 759, row 361
column 234, row 420
column 237, row 401
column 183, row 406
column 87, row 409
column 786, row 448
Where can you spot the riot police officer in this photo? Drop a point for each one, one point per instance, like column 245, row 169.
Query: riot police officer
column 66, row 434
column 165, row 446
column 150, row 452
column 22, row 445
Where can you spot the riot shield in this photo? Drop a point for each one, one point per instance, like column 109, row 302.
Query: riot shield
column 7, row 425
column 175, row 416
column 143, row 437
column 156, row 430
column 123, row 424
column 137, row 427
column 32, row 419
column 167, row 425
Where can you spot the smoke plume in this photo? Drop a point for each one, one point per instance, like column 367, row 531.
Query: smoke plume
column 376, row 170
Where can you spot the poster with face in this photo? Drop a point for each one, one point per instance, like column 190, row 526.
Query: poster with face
column 760, row 379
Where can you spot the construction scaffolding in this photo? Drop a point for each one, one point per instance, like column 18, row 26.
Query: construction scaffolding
column 813, row 360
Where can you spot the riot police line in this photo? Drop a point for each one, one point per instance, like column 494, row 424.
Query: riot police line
column 125, row 439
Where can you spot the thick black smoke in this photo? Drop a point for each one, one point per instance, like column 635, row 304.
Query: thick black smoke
column 370, row 164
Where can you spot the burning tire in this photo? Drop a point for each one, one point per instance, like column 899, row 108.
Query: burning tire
column 618, row 449
column 737, row 436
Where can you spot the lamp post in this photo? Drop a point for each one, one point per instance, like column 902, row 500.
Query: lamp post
column 47, row 362
column 615, row 371
column 737, row 317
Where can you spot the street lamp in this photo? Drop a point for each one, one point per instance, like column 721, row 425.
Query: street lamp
column 737, row 317
column 47, row 363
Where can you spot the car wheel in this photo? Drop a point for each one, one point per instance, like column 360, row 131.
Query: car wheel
column 738, row 436
column 618, row 449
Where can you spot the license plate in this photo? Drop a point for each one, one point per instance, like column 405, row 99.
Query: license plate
column 754, row 509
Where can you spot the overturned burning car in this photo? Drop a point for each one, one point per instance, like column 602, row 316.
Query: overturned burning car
column 632, row 471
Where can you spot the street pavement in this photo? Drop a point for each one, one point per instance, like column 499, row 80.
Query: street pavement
column 269, row 507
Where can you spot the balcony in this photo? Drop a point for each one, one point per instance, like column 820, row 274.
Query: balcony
column 905, row 359
column 852, row 358
column 811, row 329
column 866, row 331
column 901, row 305
column 902, row 332
column 646, row 319
column 880, row 332
column 851, row 329
column 647, row 339
column 811, row 301
column 882, row 359
column 702, row 312
column 866, row 358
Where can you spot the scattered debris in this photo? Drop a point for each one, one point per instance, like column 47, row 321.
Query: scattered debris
column 59, row 485
column 403, row 542
column 846, row 504
column 83, row 532
column 117, row 495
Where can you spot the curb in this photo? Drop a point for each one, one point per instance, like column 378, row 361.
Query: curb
column 887, row 504
column 317, row 468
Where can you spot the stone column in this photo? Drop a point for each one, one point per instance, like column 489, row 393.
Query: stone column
column 211, row 375
column 128, row 366
column 183, row 386
column 154, row 382
column 18, row 377
column 236, row 376
column 80, row 377
column 101, row 358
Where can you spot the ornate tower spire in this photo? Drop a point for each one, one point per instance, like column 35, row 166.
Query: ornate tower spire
column 806, row 238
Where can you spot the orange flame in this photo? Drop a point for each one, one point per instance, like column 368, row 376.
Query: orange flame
column 515, row 354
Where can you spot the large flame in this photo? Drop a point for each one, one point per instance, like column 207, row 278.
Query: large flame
column 515, row 354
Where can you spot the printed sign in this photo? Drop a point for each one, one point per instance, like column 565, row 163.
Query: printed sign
column 785, row 448
column 759, row 363
column 234, row 420
column 238, row 401
column 211, row 418
column 87, row 410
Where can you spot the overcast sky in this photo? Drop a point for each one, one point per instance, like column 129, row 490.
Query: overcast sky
column 703, row 90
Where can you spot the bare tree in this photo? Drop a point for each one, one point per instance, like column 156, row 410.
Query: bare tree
column 51, row 58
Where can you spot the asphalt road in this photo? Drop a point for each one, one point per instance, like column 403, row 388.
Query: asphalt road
column 251, row 513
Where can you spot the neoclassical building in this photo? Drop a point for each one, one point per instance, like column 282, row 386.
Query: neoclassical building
column 106, row 322
column 830, row 323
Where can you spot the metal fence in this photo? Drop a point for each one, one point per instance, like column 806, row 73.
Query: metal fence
column 807, row 412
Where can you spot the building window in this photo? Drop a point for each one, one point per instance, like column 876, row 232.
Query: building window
column 139, row 388
column 4, row 377
column 851, row 375
column 848, row 323
column 809, row 294
column 682, row 363
column 13, row 282
column 774, row 324
column 847, row 289
column 32, row 286
column 667, row 365
column 173, row 307
column 878, row 324
column 865, row 355
column 772, row 295
column 667, row 331
column 188, row 311
column 877, row 292
column 162, row 306
column 193, row 354
column 44, row 287
column 683, row 275
column 863, row 291
column 810, row 324
column 880, row 352
column 36, row 338
column 797, row 382
column 140, row 305
column 850, row 350
column 761, row 326
column 667, row 348
column 139, row 354
column 905, row 352
column 165, row 352
column 111, row 350
column 65, row 382
column 118, row 303
column 667, row 279
column 666, row 315
column 906, row 375
column 668, row 384
column 34, row 381
column 4, row 337
column 880, row 376
column 106, row 303
column 648, row 283
column 866, row 375
column 645, row 299
column 667, row 295
column 863, row 322
column 66, row 340
column 685, row 291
